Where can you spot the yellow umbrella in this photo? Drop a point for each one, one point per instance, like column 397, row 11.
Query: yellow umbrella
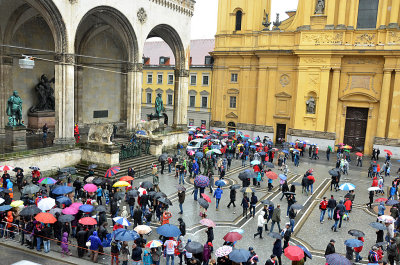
column 121, row 184
column 247, row 190
column 16, row 203
column 240, row 145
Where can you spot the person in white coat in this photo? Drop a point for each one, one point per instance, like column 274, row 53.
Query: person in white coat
column 260, row 224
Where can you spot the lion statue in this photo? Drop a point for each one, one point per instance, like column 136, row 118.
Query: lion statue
column 148, row 126
column 100, row 133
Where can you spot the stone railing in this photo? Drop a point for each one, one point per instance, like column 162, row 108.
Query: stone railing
column 182, row 6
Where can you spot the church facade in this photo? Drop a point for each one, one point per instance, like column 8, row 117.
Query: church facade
column 329, row 74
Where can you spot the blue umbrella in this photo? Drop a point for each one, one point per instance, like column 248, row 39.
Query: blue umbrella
column 262, row 153
column 141, row 132
column 199, row 154
column 125, row 235
column 64, row 200
column 291, row 143
column 353, row 243
column 169, row 230
column 86, row 208
column 62, row 190
column 255, row 162
column 232, row 131
column 336, row 259
column 239, row 255
column 253, row 146
column 282, row 177
column 191, row 132
column 202, row 181
column 306, row 251
column 285, row 151
column 391, row 202
column 220, row 183
column 5, row 208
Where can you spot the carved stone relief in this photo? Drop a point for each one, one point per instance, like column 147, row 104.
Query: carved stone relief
column 365, row 39
column 142, row 15
column 284, row 80
column 321, row 39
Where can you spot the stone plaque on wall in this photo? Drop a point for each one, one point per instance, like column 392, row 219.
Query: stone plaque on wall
column 100, row 114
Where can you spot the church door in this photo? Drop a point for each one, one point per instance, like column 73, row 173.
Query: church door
column 280, row 133
column 356, row 127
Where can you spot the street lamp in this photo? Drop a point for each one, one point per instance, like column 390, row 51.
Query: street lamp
column 27, row 62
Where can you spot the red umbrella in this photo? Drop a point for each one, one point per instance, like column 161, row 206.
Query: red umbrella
column 271, row 175
column 359, row 154
column 126, row 178
column 388, row 152
column 258, row 144
column 88, row 221
column 207, row 222
column 225, row 135
column 206, row 197
column 112, row 171
column 6, row 168
column 46, row 218
column 381, row 200
column 294, row 253
column 246, row 135
column 232, row 237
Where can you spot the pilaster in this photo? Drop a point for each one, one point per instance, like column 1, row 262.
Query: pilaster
column 352, row 17
column 394, row 15
column 262, row 95
column 6, row 86
column 342, row 15
column 395, row 111
column 383, row 16
column 331, row 13
column 384, row 103
column 333, row 103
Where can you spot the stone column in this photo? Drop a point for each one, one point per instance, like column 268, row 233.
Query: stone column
column 333, row 104
column 342, row 15
column 395, row 111
column 134, row 95
column 352, row 17
column 6, row 86
column 64, row 99
column 384, row 103
column 181, row 98
column 384, row 11
column 331, row 13
column 78, row 93
column 394, row 15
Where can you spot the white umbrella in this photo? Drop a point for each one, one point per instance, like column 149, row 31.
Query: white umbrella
column 386, row 219
column 46, row 204
column 1, row 200
column 217, row 151
column 373, row 188
column 141, row 190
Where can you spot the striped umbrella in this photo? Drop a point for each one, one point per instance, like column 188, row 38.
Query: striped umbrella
column 154, row 244
column 6, row 168
column 347, row 186
column 122, row 221
column 112, row 171
column 201, row 181
column 48, row 181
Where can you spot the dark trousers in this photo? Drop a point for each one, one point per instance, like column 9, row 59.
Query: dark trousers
column 259, row 232
column 252, row 210
column 244, row 212
column 232, row 202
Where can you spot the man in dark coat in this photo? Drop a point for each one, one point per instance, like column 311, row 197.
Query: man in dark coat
column 81, row 237
column 330, row 249
column 232, row 196
column 137, row 217
column 182, row 226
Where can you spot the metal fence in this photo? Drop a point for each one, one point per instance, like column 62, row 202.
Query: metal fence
column 137, row 148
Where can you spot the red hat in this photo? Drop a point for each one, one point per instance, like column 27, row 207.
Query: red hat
column 210, row 244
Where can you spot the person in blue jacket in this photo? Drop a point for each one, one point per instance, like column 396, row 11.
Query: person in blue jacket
column 217, row 195
column 95, row 243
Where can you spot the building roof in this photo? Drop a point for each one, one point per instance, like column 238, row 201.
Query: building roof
column 199, row 49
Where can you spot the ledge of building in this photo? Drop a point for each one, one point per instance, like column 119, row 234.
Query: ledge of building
column 312, row 134
column 387, row 141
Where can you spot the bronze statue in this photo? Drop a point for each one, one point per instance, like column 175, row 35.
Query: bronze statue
column 45, row 91
column 159, row 105
column 14, row 110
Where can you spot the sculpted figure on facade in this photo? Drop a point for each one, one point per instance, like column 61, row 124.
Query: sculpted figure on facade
column 159, row 105
column 14, row 110
column 45, row 92
column 310, row 105
column 320, row 7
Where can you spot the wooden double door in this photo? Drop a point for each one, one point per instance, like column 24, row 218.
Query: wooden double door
column 356, row 127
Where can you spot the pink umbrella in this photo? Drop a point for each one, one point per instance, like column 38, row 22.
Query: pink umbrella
column 76, row 205
column 207, row 222
column 70, row 210
column 90, row 187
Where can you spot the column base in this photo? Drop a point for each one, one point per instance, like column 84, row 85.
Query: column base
column 304, row 27
column 350, row 28
column 393, row 26
column 341, row 26
column 64, row 141
column 182, row 127
column 382, row 27
column 329, row 26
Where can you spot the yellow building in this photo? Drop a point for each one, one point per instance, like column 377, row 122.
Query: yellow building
column 158, row 78
column 330, row 73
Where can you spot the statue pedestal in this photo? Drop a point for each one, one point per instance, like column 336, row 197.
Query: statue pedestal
column 36, row 120
column 15, row 138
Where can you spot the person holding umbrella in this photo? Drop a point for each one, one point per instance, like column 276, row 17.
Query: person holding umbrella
column 232, row 197
column 245, row 204
column 277, row 250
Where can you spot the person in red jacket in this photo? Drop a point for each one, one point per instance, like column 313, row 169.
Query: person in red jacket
column 375, row 182
column 347, row 205
column 323, row 206
column 358, row 250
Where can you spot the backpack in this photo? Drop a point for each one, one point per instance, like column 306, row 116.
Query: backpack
column 114, row 247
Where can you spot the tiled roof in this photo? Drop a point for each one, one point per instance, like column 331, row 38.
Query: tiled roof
column 199, row 49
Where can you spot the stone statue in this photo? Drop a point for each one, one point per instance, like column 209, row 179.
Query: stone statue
column 320, row 7
column 266, row 23
column 277, row 23
column 14, row 110
column 148, row 126
column 100, row 133
column 310, row 105
column 45, row 95
column 159, row 105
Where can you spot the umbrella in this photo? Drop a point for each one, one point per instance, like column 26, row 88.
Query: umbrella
column 381, row 200
column 146, row 185
column 275, row 235
column 296, row 183
column 18, row 168
column 223, row 251
column 142, row 229
column 66, row 218
column 391, row 202
column 6, row 168
column 267, row 202
column 255, row 162
column 76, row 205
column 201, row 181
column 181, row 188
column 124, row 235
column 238, row 230
column 163, row 157
column 373, row 188
column 48, row 181
column 356, row 233
column 347, row 186
column 126, row 178
column 122, row 221
column 247, row 174
column 378, row 226
column 269, row 164
column 208, row 199
column 271, row 175
column 203, row 203
column 90, row 187
column 30, row 210
column 55, row 210
column 207, row 222
column 86, row 208
column 239, row 255
column 16, row 203
column 220, row 183
column 199, row 154
column 194, row 247
column 100, row 208
column 386, row 218
column 34, row 168
column 154, row 244
column 387, row 151
column 285, row 151
column 294, row 253
column 90, row 179
column 247, row 190
column 46, row 204
column 165, row 201
column 62, row 190
column 132, row 193
column 112, row 171
column 4, row 208
column 97, row 181
column 296, row 206
column 336, row 259
column 70, row 210
column 306, row 251
column 159, row 195
column 64, row 200
column 88, row 221
column 92, row 166
column 141, row 132
column 190, row 152
column 282, row 177
column 232, row 237
column 235, row 187
column 69, row 170
column 30, row 189
column 333, row 172
column 353, row 243
column 168, row 230
column 46, row 218
column 119, row 195
column 359, row 154
column 121, row 184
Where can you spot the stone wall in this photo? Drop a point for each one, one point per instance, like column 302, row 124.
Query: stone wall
column 167, row 141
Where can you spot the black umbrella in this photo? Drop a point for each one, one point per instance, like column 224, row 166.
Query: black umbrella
column 151, row 193
column 30, row 210
column 66, row 218
column 163, row 157
column 119, row 195
column 98, row 181
column 146, row 185
column 267, row 202
column 101, row 208
column 355, row 232
column 269, row 164
column 203, row 203
column 69, row 170
column 333, row 172
column 297, row 206
column 92, row 166
column 18, row 168
column 380, row 244
column 296, row 184
column 194, row 247
column 235, row 187
column 247, row 174
column 181, row 188
column 133, row 193
column 160, row 195
column 275, row 235
column 30, row 189
column 165, row 201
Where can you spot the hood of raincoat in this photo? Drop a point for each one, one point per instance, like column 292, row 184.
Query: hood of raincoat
column 65, row 234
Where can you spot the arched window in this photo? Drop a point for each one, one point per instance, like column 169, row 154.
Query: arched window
column 238, row 20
